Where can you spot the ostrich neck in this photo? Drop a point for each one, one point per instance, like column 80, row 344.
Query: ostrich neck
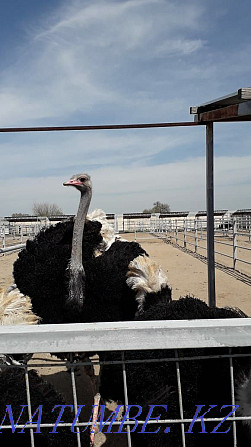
column 77, row 238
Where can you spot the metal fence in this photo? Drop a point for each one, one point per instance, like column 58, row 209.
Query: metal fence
column 173, row 337
column 232, row 237
column 12, row 238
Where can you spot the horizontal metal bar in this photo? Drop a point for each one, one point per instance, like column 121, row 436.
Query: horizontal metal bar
column 130, row 422
column 223, row 254
column 222, row 243
column 97, row 362
column 203, row 248
column 125, row 336
column 12, row 248
column 242, row 260
column 243, row 248
column 98, row 127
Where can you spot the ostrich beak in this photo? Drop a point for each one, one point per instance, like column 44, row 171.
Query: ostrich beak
column 72, row 182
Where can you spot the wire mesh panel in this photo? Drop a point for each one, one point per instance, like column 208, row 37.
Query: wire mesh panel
column 187, row 384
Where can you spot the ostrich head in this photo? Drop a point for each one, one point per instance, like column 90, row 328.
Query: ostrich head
column 81, row 181
column 76, row 292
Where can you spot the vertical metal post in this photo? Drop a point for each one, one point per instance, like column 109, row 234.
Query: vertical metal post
column 129, row 441
column 176, row 231
column 234, row 243
column 210, row 213
column 180, row 399
column 196, row 235
column 185, row 233
column 3, row 242
column 233, row 396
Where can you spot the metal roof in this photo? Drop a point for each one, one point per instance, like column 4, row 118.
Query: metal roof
column 233, row 107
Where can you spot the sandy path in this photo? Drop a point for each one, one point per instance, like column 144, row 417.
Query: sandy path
column 6, row 266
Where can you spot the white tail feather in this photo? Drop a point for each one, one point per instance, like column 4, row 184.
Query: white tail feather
column 16, row 308
column 107, row 230
column 145, row 276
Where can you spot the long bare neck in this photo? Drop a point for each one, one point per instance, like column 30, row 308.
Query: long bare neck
column 76, row 294
column 77, row 237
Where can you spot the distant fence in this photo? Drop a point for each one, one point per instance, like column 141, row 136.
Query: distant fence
column 232, row 237
column 232, row 233
column 12, row 238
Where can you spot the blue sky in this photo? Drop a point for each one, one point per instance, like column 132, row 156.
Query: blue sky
column 106, row 61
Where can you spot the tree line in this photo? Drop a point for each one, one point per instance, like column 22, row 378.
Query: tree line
column 46, row 209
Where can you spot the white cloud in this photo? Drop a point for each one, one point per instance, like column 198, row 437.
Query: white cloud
column 125, row 189
column 179, row 46
column 109, row 61
column 89, row 57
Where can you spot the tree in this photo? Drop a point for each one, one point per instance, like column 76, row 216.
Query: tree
column 46, row 209
column 158, row 207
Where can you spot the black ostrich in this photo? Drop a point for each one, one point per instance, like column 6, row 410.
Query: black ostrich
column 66, row 282
column 204, row 382
column 43, row 395
column 15, row 309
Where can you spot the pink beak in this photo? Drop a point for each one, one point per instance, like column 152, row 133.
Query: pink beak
column 72, row 182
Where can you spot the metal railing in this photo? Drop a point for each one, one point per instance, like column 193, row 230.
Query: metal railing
column 12, row 238
column 232, row 237
column 170, row 336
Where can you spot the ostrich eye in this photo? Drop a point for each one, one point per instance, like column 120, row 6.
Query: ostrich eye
column 82, row 179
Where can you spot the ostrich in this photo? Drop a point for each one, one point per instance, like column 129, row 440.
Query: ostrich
column 13, row 392
column 203, row 382
column 15, row 308
column 68, row 283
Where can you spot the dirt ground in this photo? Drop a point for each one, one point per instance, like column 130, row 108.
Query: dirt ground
column 186, row 274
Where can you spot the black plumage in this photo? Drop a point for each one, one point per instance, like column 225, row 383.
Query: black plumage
column 41, row 273
column 203, row 381
column 41, row 268
column 13, row 393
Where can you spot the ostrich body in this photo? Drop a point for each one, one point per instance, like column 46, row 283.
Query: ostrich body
column 51, row 269
column 13, row 392
column 203, row 382
column 59, row 270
